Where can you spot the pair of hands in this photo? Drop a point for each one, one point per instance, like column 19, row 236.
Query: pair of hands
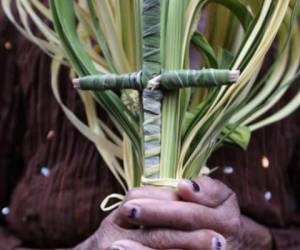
column 202, row 214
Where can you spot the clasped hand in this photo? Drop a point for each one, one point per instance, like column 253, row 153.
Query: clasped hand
column 202, row 214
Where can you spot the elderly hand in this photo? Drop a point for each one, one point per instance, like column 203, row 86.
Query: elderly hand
column 122, row 230
column 200, row 215
column 205, row 211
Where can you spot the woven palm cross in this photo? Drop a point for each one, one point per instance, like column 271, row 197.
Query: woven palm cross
column 152, row 82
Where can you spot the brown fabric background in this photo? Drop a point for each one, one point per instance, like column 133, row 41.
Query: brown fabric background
column 63, row 209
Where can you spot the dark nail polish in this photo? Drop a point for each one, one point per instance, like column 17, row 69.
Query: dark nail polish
column 196, row 187
column 133, row 213
column 217, row 245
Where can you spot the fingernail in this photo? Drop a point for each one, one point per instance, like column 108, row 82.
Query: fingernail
column 130, row 210
column 216, row 244
column 196, row 187
column 133, row 213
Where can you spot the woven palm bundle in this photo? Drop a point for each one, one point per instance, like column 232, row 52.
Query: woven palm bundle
column 131, row 57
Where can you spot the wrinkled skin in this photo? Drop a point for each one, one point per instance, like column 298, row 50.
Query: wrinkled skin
column 200, row 215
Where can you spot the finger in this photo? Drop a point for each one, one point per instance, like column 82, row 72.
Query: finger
column 145, row 192
column 174, row 239
column 173, row 214
column 152, row 193
column 204, row 190
column 129, row 245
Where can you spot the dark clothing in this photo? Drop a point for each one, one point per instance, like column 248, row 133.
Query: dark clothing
column 53, row 182
column 43, row 208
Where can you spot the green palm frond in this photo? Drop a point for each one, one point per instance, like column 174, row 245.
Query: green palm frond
column 102, row 42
